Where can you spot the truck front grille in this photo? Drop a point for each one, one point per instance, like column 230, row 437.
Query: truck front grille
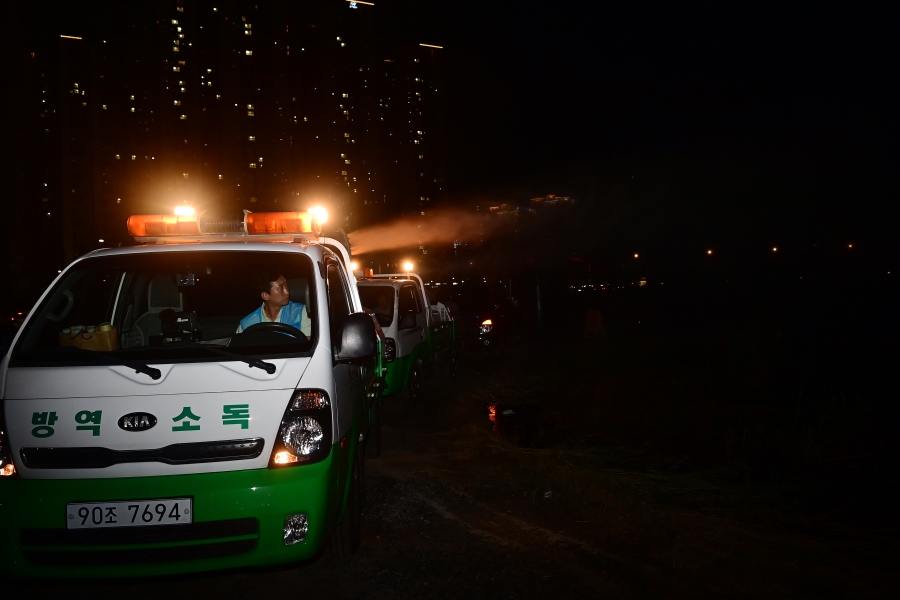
column 175, row 454
column 54, row 546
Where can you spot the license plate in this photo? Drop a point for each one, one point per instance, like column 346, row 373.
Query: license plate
column 129, row 513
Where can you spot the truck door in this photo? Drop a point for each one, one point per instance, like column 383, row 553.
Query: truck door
column 411, row 320
column 348, row 382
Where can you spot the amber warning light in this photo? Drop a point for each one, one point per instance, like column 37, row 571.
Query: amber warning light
column 261, row 223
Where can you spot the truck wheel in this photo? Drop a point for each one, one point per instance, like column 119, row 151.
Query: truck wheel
column 345, row 541
column 373, row 442
column 414, row 386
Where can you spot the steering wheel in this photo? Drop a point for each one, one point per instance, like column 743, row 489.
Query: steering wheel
column 277, row 327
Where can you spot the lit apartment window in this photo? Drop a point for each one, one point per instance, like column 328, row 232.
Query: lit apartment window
column 178, row 103
column 420, row 156
column 252, row 138
column 131, row 97
column 218, row 96
column 346, row 135
column 132, row 109
column 342, row 95
column 209, row 84
column 176, row 69
column 248, row 32
column 252, row 165
column 339, row 38
column 346, row 112
column 133, row 157
column 347, row 162
column 260, row 159
column 178, row 28
column 184, row 118
column 174, row 21
column 416, row 141
column 304, row 119
column 248, row 25
column 343, row 156
column 343, row 44
column 249, row 113
column 343, row 172
column 250, row 107
column 249, row 52
column 221, row 177
column 118, row 157
column 209, row 70
column 174, row 48
column 104, row 107
column 419, row 132
column 179, row 8
column 185, row 175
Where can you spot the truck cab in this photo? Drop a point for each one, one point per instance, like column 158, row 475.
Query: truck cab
column 419, row 335
column 149, row 426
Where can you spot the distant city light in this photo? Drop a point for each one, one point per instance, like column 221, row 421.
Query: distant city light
column 70, row 37
column 430, row 46
column 101, row 241
column 849, row 245
column 184, row 211
column 774, row 249
column 408, row 266
column 635, row 254
column 709, row 251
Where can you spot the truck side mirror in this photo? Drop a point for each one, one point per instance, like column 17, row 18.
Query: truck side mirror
column 407, row 321
column 358, row 338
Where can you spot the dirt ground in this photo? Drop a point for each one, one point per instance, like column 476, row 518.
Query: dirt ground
column 463, row 505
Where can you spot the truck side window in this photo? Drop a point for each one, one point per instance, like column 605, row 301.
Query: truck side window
column 338, row 303
column 407, row 300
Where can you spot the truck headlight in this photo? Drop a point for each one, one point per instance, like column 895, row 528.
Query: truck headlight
column 486, row 326
column 304, row 436
column 389, row 350
column 7, row 468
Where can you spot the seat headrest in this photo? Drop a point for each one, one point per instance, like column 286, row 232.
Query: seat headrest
column 299, row 290
column 164, row 294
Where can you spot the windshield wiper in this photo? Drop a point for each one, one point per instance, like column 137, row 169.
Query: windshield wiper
column 138, row 367
column 253, row 362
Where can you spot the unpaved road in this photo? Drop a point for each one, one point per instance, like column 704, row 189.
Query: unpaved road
column 454, row 510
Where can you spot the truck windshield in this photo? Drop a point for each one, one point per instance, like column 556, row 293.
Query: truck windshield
column 379, row 301
column 171, row 306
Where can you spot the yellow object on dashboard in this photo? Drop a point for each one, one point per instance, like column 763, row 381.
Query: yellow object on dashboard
column 103, row 338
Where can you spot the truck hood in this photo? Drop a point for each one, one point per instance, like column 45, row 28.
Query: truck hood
column 193, row 406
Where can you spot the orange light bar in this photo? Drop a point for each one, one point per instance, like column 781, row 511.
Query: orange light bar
column 163, row 225
column 262, row 223
column 487, row 322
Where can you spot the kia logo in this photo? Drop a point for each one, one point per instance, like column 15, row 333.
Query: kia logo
column 137, row 421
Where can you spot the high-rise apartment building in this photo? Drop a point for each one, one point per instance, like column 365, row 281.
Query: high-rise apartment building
column 226, row 106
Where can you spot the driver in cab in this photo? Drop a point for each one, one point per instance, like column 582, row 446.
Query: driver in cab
column 276, row 305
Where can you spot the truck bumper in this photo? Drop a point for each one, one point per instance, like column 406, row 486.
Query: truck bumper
column 238, row 522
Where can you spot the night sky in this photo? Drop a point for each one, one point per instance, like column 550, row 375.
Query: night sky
column 715, row 121
column 685, row 124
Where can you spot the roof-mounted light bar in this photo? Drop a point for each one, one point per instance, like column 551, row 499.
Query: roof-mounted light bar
column 283, row 226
